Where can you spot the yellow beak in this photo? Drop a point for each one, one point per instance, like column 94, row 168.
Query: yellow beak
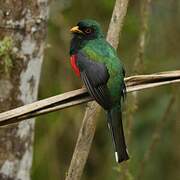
column 76, row 29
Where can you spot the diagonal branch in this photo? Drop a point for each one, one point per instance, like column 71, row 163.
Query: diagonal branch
column 79, row 96
column 156, row 136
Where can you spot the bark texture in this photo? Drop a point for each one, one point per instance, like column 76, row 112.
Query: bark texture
column 22, row 34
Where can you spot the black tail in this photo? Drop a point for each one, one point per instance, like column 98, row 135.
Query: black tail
column 116, row 129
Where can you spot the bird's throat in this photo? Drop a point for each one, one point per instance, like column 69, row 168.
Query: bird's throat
column 77, row 43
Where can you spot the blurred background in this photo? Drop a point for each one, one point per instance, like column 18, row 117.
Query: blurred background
column 151, row 117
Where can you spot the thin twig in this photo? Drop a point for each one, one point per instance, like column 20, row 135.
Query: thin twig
column 156, row 136
column 137, row 69
column 145, row 11
column 139, row 60
column 79, row 96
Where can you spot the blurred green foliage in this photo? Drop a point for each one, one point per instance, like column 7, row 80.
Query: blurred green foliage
column 56, row 133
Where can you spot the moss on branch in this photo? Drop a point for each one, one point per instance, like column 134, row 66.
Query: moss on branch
column 6, row 47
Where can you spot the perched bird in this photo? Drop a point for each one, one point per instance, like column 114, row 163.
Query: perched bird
column 96, row 62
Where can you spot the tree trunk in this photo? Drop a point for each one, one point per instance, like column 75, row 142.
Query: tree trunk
column 22, row 34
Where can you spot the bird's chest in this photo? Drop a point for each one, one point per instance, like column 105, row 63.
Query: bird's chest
column 73, row 60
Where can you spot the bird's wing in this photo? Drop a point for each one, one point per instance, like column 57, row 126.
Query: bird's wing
column 123, row 88
column 95, row 76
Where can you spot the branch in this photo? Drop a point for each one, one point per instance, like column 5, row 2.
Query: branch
column 145, row 11
column 79, row 96
column 116, row 23
column 138, row 68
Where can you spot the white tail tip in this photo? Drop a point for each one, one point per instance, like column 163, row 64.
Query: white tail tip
column 116, row 156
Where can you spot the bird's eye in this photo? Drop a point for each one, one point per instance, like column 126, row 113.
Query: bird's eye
column 88, row 30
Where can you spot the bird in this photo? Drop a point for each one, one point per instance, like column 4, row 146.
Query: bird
column 96, row 63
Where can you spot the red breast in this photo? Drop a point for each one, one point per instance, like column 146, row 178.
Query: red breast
column 73, row 60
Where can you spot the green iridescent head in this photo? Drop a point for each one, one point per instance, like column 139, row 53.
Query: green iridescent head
column 88, row 29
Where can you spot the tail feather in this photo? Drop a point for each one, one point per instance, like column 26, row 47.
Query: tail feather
column 116, row 129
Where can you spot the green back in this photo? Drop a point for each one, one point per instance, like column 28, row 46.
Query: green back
column 100, row 50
